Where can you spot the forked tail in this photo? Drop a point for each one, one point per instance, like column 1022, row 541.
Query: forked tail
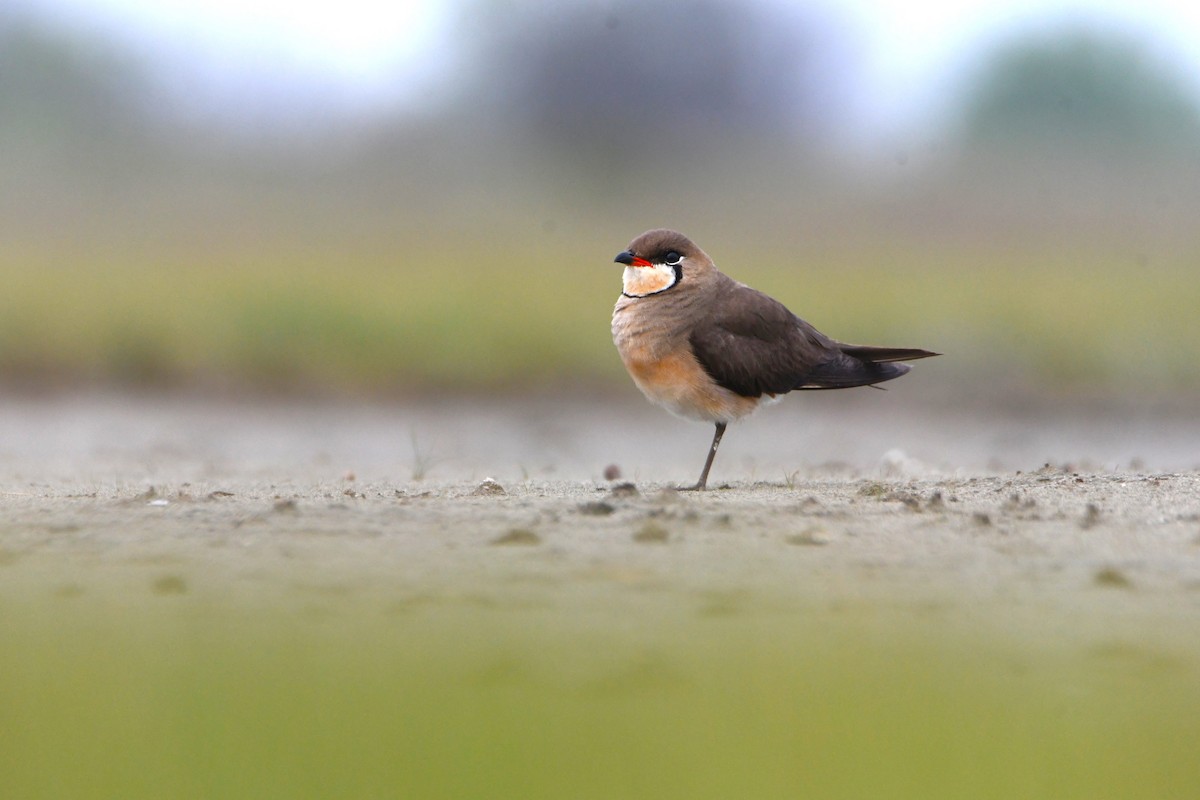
column 862, row 365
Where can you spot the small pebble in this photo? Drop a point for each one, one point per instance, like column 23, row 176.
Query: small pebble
column 597, row 509
column 517, row 536
column 910, row 500
column 651, row 533
column 489, row 487
column 668, row 494
column 808, row 538
column 285, row 506
column 1112, row 578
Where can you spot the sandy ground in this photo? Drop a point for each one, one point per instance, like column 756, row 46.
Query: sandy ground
column 868, row 496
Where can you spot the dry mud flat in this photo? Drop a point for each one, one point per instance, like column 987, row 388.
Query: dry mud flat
column 828, row 502
column 1125, row 542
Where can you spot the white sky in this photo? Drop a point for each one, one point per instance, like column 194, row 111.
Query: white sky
column 353, row 39
column 370, row 48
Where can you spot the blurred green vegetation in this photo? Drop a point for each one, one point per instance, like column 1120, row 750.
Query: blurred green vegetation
column 226, row 687
column 1081, row 89
column 474, row 318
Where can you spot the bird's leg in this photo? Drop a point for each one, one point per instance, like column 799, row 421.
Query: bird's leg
column 712, row 453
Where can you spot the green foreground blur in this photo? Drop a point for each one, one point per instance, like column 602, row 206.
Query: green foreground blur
column 154, row 686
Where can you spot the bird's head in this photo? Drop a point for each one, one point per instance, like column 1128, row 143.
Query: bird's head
column 661, row 260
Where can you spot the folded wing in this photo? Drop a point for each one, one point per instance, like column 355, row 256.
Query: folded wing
column 754, row 346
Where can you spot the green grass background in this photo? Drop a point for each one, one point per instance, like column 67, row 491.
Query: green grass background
column 472, row 317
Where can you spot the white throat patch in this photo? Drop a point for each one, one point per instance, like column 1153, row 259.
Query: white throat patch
column 643, row 281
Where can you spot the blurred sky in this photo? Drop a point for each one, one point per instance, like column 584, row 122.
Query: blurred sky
column 364, row 53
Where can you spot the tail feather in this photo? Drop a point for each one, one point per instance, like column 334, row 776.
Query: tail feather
column 883, row 355
column 843, row 372
column 861, row 365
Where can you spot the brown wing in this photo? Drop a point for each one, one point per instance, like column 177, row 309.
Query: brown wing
column 752, row 345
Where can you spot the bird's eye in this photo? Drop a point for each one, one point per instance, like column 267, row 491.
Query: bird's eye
column 672, row 259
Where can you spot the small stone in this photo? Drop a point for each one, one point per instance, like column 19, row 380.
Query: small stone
column 910, row 500
column 651, row 533
column 808, row 538
column 612, row 472
column 597, row 509
column 624, row 490
column 981, row 519
column 1112, row 578
column 517, row 536
column 668, row 494
column 489, row 487
column 286, row 505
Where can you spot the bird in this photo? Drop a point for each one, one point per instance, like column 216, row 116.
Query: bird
column 710, row 348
